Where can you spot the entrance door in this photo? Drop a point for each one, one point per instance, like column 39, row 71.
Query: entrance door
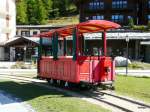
column 19, row 56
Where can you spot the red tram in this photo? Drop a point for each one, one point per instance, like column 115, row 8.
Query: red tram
column 78, row 67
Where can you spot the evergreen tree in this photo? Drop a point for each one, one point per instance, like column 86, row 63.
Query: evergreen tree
column 62, row 7
column 32, row 11
column 68, row 3
column 42, row 14
column 37, row 13
column 22, row 17
column 59, row 7
column 48, row 6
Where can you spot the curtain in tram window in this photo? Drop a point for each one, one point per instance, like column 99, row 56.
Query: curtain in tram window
column 65, row 46
column 40, row 48
column 74, row 44
column 55, row 46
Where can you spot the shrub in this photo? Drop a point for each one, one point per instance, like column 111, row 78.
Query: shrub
column 131, row 23
column 141, row 27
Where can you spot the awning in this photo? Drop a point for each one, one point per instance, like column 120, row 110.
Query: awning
column 91, row 26
column 96, row 26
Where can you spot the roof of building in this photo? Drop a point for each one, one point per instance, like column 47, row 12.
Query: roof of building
column 26, row 41
column 39, row 26
column 22, row 41
column 120, row 35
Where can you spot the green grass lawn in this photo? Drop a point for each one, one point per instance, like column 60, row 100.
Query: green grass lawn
column 44, row 100
column 135, row 87
column 64, row 20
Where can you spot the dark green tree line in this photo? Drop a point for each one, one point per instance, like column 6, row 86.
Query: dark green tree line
column 39, row 11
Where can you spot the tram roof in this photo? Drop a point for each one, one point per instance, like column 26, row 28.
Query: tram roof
column 91, row 26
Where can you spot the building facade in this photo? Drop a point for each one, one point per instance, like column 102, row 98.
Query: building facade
column 7, row 26
column 25, row 43
column 138, row 42
column 119, row 11
column 31, row 30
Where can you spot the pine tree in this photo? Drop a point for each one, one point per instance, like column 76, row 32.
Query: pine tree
column 42, row 14
column 32, row 11
column 22, row 17
column 37, row 13
column 62, row 7
column 68, row 3
column 48, row 6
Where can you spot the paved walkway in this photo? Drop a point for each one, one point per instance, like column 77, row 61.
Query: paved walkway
column 9, row 104
column 139, row 73
column 18, row 71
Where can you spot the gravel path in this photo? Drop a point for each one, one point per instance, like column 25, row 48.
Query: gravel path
column 11, row 104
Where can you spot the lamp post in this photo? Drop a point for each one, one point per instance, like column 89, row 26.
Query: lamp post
column 127, row 53
column 25, row 50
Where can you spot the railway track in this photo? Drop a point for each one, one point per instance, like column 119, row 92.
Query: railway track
column 125, row 104
column 104, row 98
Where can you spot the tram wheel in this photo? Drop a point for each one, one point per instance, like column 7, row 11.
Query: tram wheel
column 54, row 82
column 83, row 86
column 62, row 83
column 104, row 87
column 112, row 87
column 72, row 85
column 49, row 81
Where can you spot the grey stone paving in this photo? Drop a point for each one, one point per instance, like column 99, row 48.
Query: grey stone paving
column 10, row 104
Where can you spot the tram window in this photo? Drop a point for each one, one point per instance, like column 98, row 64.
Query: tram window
column 69, row 47
column 60, row 48
column 35, row 32
column 47, row 51
column 95, row 51
column 69, row 51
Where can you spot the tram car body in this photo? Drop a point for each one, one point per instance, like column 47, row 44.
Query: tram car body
column 92, row 70
column 78, row 67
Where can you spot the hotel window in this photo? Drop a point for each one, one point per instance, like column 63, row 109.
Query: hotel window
column 148, row 17
column 25, row 33
column 129, row 17
column 86, row 18
column 98, row 17
column 117, row 18
column 119, row 3
column 35, row 32
column 96, row 4
column 149, row 4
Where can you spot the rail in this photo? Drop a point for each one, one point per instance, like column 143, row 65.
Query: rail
column 115, row 101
